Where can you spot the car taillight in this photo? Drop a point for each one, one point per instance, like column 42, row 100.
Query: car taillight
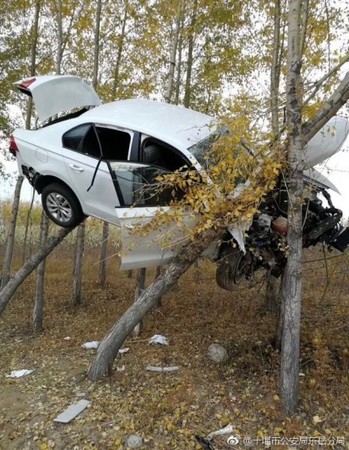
column 13, row 146
column 27, row 83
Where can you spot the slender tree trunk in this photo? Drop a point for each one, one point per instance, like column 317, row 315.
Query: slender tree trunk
column 179, row 68
column 272, row 295
column 26, row 230
column 40, row 279
column 10, row 240
column 96, row 44
column 140, row 285
column 171, row 74
column 119, row 52
column 275, row 70
column 60, row 48
column 77, row 271
column 293, row 280
column 109, row 347
column 34, row 46
column 10, row 288
column 102, row 273
column 187, row 93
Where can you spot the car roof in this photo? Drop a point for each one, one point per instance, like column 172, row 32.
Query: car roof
column 178, row 126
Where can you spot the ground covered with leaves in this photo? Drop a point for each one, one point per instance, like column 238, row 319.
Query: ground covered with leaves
column 174, row 410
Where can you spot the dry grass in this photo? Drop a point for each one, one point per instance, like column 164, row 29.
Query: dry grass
column 168, row 410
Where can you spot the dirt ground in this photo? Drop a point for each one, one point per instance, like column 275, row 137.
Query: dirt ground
column 174, row 410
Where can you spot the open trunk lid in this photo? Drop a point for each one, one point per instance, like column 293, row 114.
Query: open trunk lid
column 55, row 94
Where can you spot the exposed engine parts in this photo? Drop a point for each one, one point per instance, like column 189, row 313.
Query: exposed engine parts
column 265, row 241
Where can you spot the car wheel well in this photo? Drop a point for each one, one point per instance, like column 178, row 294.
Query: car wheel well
column 42, row 181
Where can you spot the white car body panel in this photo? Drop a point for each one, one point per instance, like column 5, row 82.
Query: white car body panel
column 175, row 126
column 54, row 94
column 100, row 199
column 327, row 141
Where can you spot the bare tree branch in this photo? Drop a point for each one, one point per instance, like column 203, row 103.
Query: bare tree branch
column 330, row 108
column 318, row 84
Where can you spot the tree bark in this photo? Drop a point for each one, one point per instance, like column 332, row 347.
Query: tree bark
column 275, row 70
column 60, row 47
column 171, row 74
column 40, row 279
column 96, row 45
column 102, row 273
column 10, row 240
column 10, row 288
column 272, row 295
column 78, row 262
column 109, row 347
column 119, row 52
column 292, row 275
column 187, row 92
column 140, row 284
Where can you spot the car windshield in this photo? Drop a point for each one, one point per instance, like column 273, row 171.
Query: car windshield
column 202, row 149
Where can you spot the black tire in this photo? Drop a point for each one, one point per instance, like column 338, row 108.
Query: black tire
column 61, row 205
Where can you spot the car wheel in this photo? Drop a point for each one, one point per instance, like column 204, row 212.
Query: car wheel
column 232, row 268
column 61, row 205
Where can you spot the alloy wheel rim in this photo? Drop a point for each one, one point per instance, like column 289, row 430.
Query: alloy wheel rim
column 59, row 207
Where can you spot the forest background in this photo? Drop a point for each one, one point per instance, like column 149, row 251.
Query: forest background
column 214, row 56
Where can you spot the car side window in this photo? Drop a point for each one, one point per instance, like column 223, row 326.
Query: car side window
column 73, row 138
column 158, row 154
column 97, row 141
column 115, row 143
column 139, row 186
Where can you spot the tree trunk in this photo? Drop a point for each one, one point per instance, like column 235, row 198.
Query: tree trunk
column 26, row 229
column 275, row 70
column 272, row 295
column 140, row 284
column 187, row 93
column 102, row 273
column 10, row 288
column 179, row 68
column 171, row 74
column 292, row 275
column 40, row 279
column 96, row 44
column 119, row 52
column 109, row 347
column 60, row 47
column 78, row 262
column 10, row 240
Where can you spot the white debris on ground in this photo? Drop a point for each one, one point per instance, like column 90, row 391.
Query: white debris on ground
column 123, row 350
column 226, row 430
column 19, row 373
column 217, row 353
column 162, row 369
column 158, row 339
column 72, row 411
column 90, row 345
column 134, row 441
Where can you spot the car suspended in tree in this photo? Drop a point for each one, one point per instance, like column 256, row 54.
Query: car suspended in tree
column 92, row 159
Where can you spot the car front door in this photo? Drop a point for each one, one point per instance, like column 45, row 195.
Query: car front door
column 141, row 197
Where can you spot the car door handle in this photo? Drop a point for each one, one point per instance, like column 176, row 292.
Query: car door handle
column 77, row 168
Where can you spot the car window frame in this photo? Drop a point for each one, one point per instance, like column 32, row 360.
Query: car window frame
column 96, row 125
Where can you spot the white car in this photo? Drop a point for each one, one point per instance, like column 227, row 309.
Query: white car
column 92, row 159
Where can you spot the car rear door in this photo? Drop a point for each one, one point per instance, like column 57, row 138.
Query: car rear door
column 89, row 173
